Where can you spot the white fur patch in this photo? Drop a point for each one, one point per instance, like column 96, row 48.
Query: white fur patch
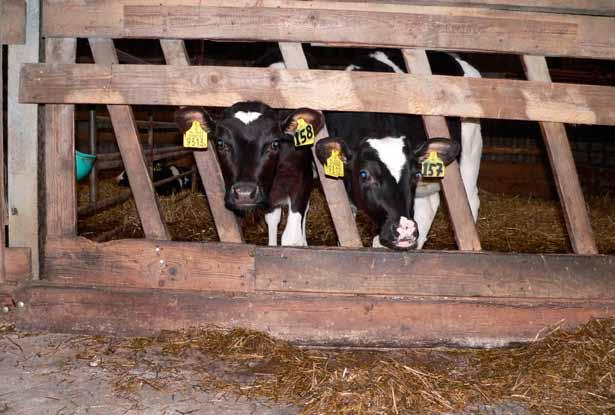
column 247, row 117
column 383, row 58
column 293, row 234
column 273, row 220
column 278, row 65
column 352, row 67
column 468, row 70
column 391, row 152
column 120, row 177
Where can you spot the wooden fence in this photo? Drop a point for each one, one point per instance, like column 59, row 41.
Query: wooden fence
column 335, row 296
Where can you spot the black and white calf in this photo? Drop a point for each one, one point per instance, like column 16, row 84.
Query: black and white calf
column 260, row 165
column 381, row 153
column 161, row 172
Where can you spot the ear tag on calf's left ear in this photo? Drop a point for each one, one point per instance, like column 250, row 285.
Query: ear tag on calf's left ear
column 432, row 166
column 334, row 167
column 196, row 136
column 304, row 134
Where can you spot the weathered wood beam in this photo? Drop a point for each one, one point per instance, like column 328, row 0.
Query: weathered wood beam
column 335, row 193
column 12, row 22
column 564, row 170
column 328, row 90
column 246, row 268
column 3, row 216
column 355, row 24
column 18, row 264
column 207, row 162
column 329, row 320
column 459, row 209
column 60, row 195
column 125, row 127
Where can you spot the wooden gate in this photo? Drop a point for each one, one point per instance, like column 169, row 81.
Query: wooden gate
column 334, row 296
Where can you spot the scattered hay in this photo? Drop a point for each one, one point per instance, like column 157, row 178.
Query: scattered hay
column 568, row 372
column 506, row 223
column 6, row 328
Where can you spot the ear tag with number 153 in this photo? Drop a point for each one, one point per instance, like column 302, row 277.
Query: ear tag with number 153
column 304, row 134
column 196, row 136
column 334, row 166
column 432, row 166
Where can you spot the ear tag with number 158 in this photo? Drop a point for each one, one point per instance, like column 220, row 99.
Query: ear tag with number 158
column 432, row 166
column 304, row 134
column 334, row 166
column 196, row 136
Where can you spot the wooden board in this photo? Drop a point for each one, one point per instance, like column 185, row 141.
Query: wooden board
column 316, row 320
column 335, row 192
column 328, row 90
column 18, row 265
column 125, row 127
column 152, row 264
column 12, row 22
column 370, row 24
column 3, row 215
column 240, row 267
column 435, row 273
column 60, row 195
column 207, row 163
column 452, row 185
column 564, row 170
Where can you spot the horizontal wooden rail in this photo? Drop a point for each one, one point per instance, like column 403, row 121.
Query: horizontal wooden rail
column 94, row 208
column 337, row 22
column 12, row 22
column 113, row 162
column 147, row 152
column 329, row 320
column 328, row 90
column 241, row 267
column 144, row 124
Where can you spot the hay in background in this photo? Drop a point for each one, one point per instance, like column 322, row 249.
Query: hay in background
column 506, row 223
column 569, row 372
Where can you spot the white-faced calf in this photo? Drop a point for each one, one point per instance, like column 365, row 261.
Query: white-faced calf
column 261, row 167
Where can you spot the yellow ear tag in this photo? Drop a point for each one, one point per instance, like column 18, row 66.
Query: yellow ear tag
column 304, row 134
column 334, row 166
column 195, row 137
column 432, row 166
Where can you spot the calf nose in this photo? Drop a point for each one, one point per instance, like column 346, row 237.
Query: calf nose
column 407, row 233
column 244, row 193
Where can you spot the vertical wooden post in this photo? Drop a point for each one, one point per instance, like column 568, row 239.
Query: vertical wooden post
column 334, row 190
column 61, row 199
column 127, row 134
column 207, row 163
column 23, row 144
column 564, row 170
column 93, row 145
column 2, row 216
column 454, row 192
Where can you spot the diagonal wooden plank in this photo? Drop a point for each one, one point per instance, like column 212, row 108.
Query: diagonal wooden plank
column 335, row 193
column 207, row 162
column 564, row 170
column 454, row 191
column 125, row 127
column 61, row 201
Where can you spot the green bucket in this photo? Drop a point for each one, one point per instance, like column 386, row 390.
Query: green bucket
column 83, row 164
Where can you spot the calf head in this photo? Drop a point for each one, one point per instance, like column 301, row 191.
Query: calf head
column 250, row 141
column 381, row 175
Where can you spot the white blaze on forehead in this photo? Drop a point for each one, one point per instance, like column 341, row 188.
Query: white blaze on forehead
column 391, row 152
column 247, row 117
column 383, row 58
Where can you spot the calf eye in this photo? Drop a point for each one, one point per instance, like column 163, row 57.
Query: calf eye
column 275, row 145
column 364, row 175
column 221, row 144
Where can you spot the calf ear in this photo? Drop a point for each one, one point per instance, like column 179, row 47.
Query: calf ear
column 325, row 147
column 185, row 116
column 315, row 118
column 447, row 150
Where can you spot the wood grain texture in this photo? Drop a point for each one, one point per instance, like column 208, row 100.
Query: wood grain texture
column 12, row 22
column 367, row 24
column 313, row 320
column 452, row 274
column 18, row 264
column 207, row 163
column 152, row 264
column 564, row 170
column 3, row 214
column 329, row 90
column 335, row 193
column 60, row 194
column 125, row 127
column 459, row 209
